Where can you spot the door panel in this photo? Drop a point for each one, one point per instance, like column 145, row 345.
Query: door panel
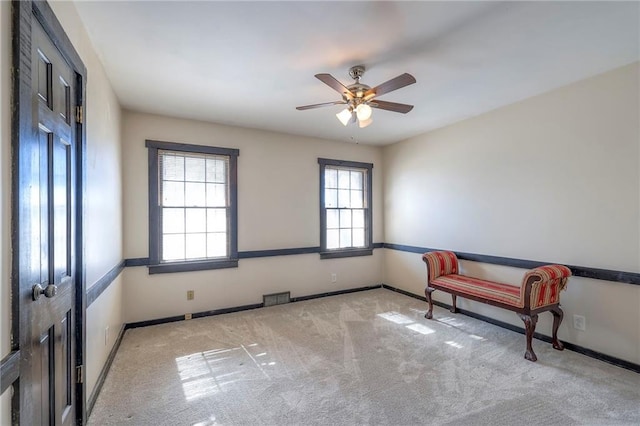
column 52, row 178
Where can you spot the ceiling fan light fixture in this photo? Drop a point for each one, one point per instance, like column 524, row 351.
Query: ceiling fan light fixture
column 364, row 112
column 365, row 123
column 344, row 116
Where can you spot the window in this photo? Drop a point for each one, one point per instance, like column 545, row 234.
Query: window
column 192, row 207
column 345, row 208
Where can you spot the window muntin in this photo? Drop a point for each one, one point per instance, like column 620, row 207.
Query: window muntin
column 192, row 207
column 345, row 208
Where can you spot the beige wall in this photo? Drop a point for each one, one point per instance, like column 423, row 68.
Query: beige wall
column 278, row 207
column 553, row 178
column 5, row 194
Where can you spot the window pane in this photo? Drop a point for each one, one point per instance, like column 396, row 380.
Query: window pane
column 173, row 194
column 345, row 218
column 194, row 169
column 345, row 238
column 356, row 180
column 217, row 245
column 216, row 195
column 216, row 170
column 172, row 221
column 333, row 238
column 358, row 237
column 330, row 178
column 330, row 198
column 358, row 218
column 333, row 219
column 343, row 198
column 343, row 179
column 196, row 220
column 196, row 246
column 173, row 247
column 216, row 220
column 172, row 166
column 356, row 199
column 194, row 194
column 221, row 171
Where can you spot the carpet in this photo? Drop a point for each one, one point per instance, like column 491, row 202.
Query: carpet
column 362, row 358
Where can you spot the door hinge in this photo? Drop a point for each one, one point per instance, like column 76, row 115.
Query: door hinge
column 80, row 374
column 79, row 115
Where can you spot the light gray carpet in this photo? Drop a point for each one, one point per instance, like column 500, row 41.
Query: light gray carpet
column 361, row 358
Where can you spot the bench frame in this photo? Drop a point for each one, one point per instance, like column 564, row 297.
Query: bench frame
column 527, row 315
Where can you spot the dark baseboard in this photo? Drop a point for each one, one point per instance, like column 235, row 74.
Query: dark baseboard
column 241, row 308
column 572, row 347
column 226, row 310
column 105, row 370
column 154, row 322
column 334, row 293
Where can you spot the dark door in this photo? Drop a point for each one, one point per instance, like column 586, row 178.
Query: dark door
column 46, row 240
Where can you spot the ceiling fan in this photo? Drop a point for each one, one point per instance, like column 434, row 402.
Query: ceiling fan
column 360, row 98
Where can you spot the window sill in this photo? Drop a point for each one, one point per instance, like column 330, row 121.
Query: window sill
column 345, row 253
column 166, row 268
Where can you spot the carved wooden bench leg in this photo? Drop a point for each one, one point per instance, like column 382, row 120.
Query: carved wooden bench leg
column 427, row 294
column 557, row 320
column 530, row 322
column 453, row 309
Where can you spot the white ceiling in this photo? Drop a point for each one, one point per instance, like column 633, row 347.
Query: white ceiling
column 251, row 63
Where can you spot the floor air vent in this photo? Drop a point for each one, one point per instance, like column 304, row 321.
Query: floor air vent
column 276, row 298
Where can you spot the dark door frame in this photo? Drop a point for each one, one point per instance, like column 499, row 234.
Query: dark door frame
column 22, row 122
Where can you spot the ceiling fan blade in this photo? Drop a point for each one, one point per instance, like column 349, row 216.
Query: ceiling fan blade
column 389, row 86
column 324, row 104
column 330, row 81
column 391, row 106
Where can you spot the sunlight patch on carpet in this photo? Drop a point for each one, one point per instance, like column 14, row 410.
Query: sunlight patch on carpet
column 420, row 328
column 396, row 317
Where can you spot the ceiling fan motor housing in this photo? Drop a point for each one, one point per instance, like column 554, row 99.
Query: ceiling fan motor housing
column 356, row 72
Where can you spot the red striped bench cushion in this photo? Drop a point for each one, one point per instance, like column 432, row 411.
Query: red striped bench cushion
column 504, row 293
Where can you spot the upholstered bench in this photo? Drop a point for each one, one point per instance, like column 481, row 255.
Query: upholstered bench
column 539, row 292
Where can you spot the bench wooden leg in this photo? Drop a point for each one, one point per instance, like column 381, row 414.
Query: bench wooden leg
column 427, row 294
column 557, row 320
column 453, row 309
column 530, row 322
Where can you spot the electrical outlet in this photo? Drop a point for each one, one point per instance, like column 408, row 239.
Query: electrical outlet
column 579, row 322
column 190, row 294
column 106, row 335
column 187, row 316
column 334, row 278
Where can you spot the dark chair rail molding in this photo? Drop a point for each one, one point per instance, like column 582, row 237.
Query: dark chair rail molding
column 103, row 283
column 252, row 254
column 578, row 271
column 10, row 368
